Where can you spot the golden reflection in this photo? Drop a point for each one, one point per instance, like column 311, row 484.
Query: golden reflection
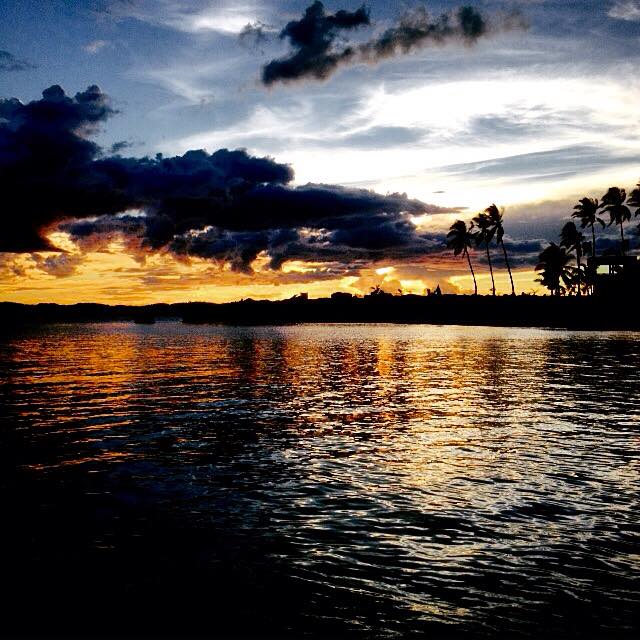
column 105, row 456
column 384, row 359
column 430, row 404
column 434, row 455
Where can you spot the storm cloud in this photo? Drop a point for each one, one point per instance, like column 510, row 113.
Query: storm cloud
column 46, row 170
column 416, row 29
column 313, row 39
column 318, row 48
column 226, row 206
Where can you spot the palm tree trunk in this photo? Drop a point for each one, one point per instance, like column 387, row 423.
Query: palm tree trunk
column 622, row 236
column 473, row 275
column 493, row 282
column 506, row 260
column 593, row 252
column 579, row 271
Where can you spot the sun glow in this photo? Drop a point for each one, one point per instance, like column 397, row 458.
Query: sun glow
column 524, row 282
column 383, row 271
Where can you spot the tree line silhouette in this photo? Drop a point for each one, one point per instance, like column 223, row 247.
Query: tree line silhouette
column 555, row 262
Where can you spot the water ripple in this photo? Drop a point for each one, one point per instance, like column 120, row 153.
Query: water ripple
column 344, row 480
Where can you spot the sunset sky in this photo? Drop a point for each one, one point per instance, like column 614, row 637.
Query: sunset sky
column 360, row 149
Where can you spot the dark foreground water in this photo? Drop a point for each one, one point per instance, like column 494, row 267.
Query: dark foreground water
column 371, row 481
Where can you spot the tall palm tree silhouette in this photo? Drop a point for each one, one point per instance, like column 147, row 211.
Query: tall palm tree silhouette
column 634, row 201
column 459, row 239
column 587, row 212
column 572, row 240
column 553, row 265
column 496, row 218
column 484, row 235
column 613, row 202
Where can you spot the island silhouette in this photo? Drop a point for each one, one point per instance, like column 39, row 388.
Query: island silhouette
column 601, row 312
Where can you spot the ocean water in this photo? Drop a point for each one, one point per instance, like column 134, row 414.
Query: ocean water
column 335, row 480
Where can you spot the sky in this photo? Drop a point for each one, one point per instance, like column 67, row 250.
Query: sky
column 303, row 147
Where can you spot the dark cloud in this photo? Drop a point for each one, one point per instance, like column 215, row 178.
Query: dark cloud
column 117, row 147
column 310, row 222
column 226, row 206
column 315, row 205
column 8, row 62
column 59, row 265
column 312, row 39
column 45, row 155
column 318, row 50
column 235, row 248
column 522, row 252
column 416, row 29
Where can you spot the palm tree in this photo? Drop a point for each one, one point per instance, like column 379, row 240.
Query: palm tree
column 572, row 240
column 613, row 202
column 496, row 218
column 484, row 235
column 587, row 211
column 459, row 239
column 553, row 263
column 634, row 201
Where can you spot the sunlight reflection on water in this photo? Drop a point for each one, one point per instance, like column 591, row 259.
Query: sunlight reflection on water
column 366, row 479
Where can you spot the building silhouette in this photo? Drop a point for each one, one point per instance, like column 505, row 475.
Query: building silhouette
column 614, row 276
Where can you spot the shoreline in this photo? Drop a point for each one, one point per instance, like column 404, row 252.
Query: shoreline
column 571, row 313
